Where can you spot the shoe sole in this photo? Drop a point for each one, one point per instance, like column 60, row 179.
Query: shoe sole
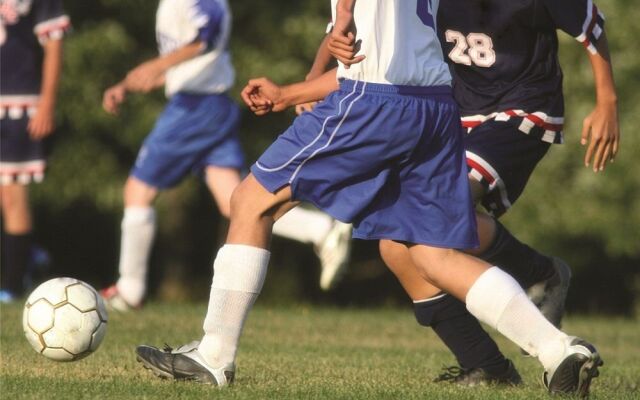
column 156, row 371
column 588, row 371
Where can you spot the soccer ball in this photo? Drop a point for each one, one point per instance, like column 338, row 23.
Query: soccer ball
column 64, row 319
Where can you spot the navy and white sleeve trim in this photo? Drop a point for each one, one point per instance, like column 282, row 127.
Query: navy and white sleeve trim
column 52, row 29
column 592, row 28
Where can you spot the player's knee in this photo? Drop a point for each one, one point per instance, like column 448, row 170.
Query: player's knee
column 241, row 204
column 138, row 194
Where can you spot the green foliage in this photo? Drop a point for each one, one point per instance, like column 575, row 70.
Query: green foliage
column 590, row 219
column 297, row 353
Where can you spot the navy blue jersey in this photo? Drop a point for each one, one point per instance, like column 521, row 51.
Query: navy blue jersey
column 24, row 26
column 503, row 56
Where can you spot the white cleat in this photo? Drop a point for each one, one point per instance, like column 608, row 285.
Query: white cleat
column 114, row 300
column 334, row 253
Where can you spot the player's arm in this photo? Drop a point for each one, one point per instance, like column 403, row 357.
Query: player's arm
column 342, row 41
column 600, row 133
column 320, row 64
column 42, row 123
column 148, row 76
column 600, row 130
column 262, row 95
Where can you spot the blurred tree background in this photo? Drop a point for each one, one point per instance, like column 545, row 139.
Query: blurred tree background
column 590, row 220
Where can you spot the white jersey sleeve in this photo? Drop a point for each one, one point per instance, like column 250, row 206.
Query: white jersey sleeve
column 181, row 22
column 399, row 40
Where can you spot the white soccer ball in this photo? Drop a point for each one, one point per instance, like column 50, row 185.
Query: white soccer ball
column 64, row 319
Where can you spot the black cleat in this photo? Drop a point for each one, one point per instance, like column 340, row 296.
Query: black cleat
column 183, row 363
column 574, row 373
column 479, row 376
column 550, row 295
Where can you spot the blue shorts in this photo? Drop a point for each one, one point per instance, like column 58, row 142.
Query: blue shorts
column 387, row 158
column 22, row 159
column 502, row 158
column 194, row 131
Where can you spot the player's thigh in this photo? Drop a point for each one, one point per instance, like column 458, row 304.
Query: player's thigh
column 186, row 134
column 138, row 193
column 501, row 159
column 251, row 199
column 398, row 259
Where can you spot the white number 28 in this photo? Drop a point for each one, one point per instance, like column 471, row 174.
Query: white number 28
column 475, row 48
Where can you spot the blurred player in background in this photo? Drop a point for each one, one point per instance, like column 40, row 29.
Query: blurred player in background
column 197, row 132
column 510, row 127
column 383, row 150
column 31, row 35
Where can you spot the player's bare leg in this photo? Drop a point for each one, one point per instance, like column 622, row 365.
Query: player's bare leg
column 16, row 245
column 239, row 272
column 495, row 298
column 477, row 354
column 138, row 232
column 221, row 182
column 546, row 279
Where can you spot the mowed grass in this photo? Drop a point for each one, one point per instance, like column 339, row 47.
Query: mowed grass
column 297, row 352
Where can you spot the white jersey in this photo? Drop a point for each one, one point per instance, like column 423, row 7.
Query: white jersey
column 179, row 23
column 399, row 40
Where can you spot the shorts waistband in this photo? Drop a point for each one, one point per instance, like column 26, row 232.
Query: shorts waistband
column 348, row 85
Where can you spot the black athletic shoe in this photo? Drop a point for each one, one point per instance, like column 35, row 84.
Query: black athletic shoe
column 549, row 295
column 183, row 363
column 479, row 376
column 574, row 373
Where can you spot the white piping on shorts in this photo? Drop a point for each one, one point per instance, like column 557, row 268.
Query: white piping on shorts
column 346, row 113
column 324, row 124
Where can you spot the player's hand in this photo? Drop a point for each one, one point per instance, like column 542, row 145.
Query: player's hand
column 145, row 77
column 263, row 96
column 42, row 123
column 113, row 97
column 342, row 41
column 305, row 107
column 601, row 135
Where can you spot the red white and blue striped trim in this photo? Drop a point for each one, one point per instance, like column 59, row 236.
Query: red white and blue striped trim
column 548, row 128
column 23, row 172
column 481, row 171
column 592, row 28
column 15, row 107
column 52, row 29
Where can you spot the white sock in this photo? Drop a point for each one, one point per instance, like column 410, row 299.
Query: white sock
column 239, row 273
column 496, row 299
column 138, row 231
column 306, row 226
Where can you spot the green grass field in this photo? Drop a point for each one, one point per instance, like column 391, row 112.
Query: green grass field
column 297, row 352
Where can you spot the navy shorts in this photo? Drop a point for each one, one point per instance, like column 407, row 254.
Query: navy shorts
column 387, row 158
column 194, row 131
column 502, row 158
column 22, row 159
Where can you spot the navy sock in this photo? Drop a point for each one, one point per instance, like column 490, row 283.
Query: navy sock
column 15, row 255
column 461, row 333
column 525, row 264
